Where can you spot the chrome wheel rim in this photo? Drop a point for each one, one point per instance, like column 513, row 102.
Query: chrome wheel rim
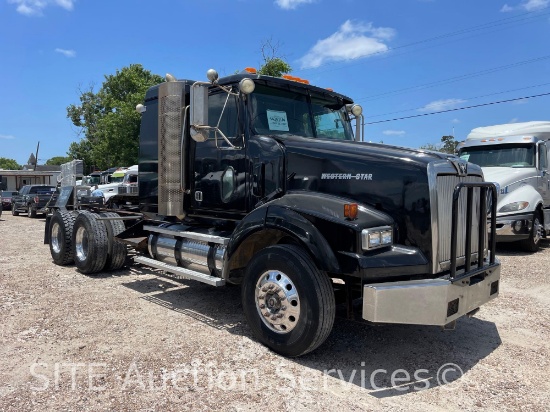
column 277, row 301
column 81, row 243
column 537, row 230
column 55, row 237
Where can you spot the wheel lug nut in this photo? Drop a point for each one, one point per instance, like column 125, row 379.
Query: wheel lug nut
column 261, row 296
column 273, row 317
column 266, row 314
column 280, row 315
column 283, row 307
column 270, row 287
column 262, row 306
column 264, row 289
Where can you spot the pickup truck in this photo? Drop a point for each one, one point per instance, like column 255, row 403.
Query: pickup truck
column 31, row 199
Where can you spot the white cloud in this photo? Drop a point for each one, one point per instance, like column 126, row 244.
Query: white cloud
column 291, row 4
column 66, row 53
column 35, row 7
column 6, row 136
column 439, row 105
column 455, row 121
column 528, row 5
column 394, row 132
column 348, row 43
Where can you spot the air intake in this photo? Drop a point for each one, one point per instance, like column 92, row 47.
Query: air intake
column 170, row 145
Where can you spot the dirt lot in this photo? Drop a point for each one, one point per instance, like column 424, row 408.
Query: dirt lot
column 131, row 340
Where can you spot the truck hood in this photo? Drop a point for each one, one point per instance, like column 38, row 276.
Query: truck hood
column 391, row 179
column 506, row 176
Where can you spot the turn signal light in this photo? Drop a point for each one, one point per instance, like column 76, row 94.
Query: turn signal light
column 350, row 211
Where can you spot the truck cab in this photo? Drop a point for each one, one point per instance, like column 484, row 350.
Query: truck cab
column 515, row 157
column 261, row 182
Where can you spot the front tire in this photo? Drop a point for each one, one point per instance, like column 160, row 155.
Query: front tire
column 532, row 243
column 14, row 212
column 90, row 243
column 288, row 302
column 61, row 237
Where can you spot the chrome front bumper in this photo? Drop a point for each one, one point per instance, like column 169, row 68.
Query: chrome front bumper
column 428, row 302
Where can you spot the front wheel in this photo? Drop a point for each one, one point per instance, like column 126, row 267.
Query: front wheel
column 14, row 211
column 288, row 302
column 531, row 244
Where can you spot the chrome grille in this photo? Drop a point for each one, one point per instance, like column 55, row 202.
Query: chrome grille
column 445, row 188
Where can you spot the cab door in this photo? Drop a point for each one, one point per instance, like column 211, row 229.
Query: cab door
column 219, row 171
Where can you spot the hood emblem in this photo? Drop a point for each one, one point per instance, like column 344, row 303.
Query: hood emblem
column 460, row 166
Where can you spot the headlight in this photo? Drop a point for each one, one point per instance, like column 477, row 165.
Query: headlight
column 376, row 237
column 513, row 207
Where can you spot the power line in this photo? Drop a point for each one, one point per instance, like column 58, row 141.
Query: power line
column 465, row 100
column 452, row 79
column 459, row 108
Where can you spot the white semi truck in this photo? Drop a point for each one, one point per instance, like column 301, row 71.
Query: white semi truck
column 515, row 157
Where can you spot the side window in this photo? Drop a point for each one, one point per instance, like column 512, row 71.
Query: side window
column 543, row 157
column 228, row 123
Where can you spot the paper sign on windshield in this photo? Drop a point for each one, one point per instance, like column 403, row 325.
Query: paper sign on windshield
column 277, row 120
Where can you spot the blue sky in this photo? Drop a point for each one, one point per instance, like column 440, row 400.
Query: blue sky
column 396, row 58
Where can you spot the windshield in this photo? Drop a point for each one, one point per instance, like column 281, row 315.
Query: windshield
column 277, row 111
column 117, row 179
column 506, row 155
column 92, row 180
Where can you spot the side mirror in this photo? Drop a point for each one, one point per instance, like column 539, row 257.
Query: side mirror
column 199, row 112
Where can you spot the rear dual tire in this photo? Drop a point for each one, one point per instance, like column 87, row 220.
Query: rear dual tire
column 61, row 235
column 90, row 243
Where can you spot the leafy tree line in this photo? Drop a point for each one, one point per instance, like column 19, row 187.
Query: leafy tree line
column 107, row 119
column 448, row 145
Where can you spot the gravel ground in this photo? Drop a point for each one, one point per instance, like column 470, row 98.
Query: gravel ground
column 130, row 340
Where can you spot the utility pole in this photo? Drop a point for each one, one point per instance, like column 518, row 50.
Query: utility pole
column 36, row 156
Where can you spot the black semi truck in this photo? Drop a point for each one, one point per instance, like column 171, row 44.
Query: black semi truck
column 261, row 181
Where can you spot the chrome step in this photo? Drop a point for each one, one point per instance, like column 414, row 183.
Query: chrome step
column 181, row 272
column 203, row 237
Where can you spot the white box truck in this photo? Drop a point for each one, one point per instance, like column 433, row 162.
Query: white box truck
column 515, row 157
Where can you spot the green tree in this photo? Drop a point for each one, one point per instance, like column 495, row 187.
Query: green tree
column 108, row 118
column 58, row 160
column 32, row 160
column 448, row 145
column 273, row 63
column 83, row 151
column 9, row 164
